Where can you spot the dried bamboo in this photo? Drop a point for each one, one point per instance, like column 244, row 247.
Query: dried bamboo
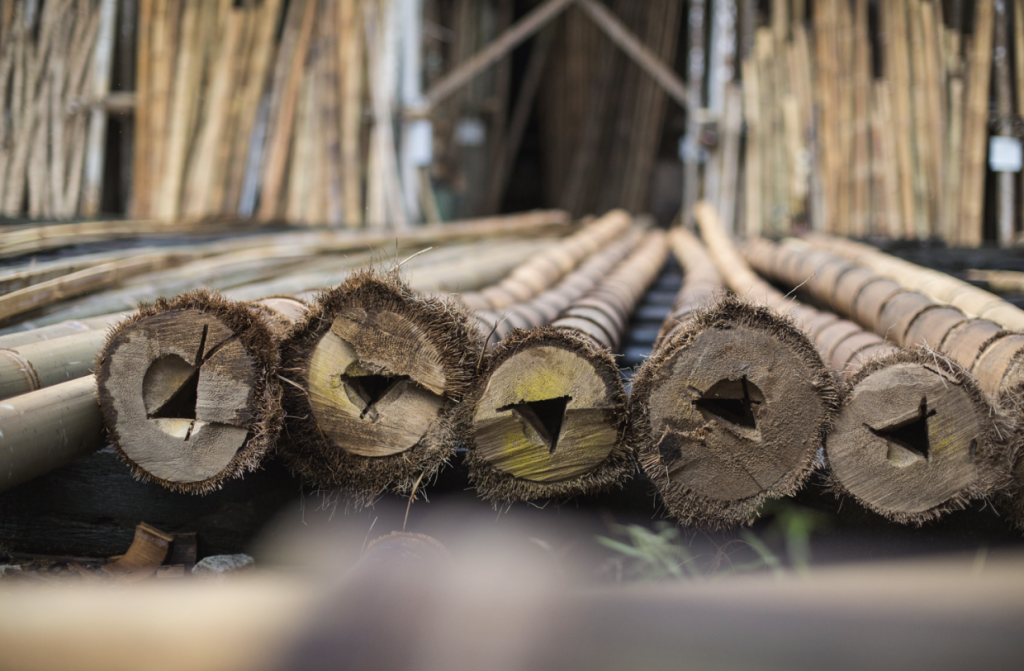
column 975, row 143
column 404, row 366
column 278, row 144
column 86, row 281
column 189, row 390
column 943, row 288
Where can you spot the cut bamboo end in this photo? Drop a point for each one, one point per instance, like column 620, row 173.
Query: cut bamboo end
column 545, row 419
column 730, row 411
column 916, row 438
column 189, row 391
column 376, row 371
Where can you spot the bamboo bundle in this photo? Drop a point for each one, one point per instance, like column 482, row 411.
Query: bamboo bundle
column 544, row 418
column 404, row 362
column 85, row 281
column 40, row 360
column 732, row 407
column 53, row 62
column 943, row 288
column 898, row 404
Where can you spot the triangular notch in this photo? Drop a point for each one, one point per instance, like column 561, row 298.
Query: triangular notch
column 545, row 417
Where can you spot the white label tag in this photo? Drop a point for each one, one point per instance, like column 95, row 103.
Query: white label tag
column 421, row 142
column 470, row 132
column 1005, row 154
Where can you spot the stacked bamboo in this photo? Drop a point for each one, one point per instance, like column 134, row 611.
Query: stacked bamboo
column 55, row 67
column 899, row 155
column 37, row 362
column 916, row 435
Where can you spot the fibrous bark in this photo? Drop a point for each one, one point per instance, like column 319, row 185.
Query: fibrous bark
column 189, row 391
column 733, row 404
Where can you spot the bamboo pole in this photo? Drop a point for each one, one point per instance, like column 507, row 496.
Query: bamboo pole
column 43, row 364
column 281, row 140
column 918, row 435
column 975, row 147
column 48, row 428
column 943, row 288
column 59, row 330
column 103, row 56
column 709, row 394
column 189, row 390
column 545, row 417
column 1006, row 218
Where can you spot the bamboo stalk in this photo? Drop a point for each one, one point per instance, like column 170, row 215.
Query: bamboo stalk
column 900, row 404
column 545, row 418
column 975, row 147
column 48, row 428
column 280, row 141
column 197, row 23
column 975, row 302
column 103, row 56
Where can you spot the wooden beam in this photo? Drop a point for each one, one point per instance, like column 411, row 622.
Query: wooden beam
column 635, row 49
column 506, row 42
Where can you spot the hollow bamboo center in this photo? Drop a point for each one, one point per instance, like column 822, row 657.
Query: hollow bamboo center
column 907, row 439
column 734, row 412
column 375, row 383
column 180, row 393
column 546, row 415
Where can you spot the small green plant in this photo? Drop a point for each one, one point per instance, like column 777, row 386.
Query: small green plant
column 648, row 555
